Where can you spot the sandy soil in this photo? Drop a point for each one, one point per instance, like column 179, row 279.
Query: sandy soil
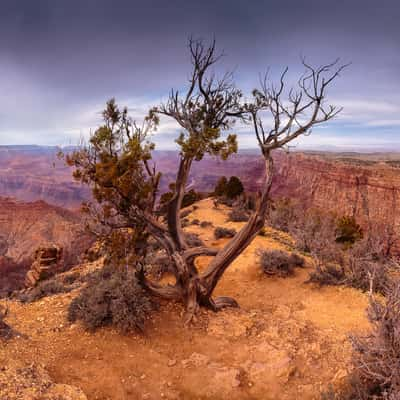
column 288, row 340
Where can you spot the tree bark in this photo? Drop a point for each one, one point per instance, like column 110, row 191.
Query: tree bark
column 174, row 206
column 195, row 289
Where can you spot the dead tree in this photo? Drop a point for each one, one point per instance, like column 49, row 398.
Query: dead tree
column 208, row 106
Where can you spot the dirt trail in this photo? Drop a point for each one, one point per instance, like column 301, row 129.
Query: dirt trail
column 287, row 341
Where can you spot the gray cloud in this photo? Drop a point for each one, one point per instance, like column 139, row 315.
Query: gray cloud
column 61, row 60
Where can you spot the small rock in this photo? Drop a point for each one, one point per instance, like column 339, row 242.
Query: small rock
column 171, row 363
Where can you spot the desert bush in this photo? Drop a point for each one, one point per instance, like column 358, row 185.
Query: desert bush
column 327, row 274
column 43, row 289
column 221, row 232
column 205, row 224
column 278, row 262
column 193, row 240
column 184, row 213
column 185, row 222
column 282, row 214
column 377, row 355
column 358, row 272
column 112, row 298
column 347, row 230
column 238, row 215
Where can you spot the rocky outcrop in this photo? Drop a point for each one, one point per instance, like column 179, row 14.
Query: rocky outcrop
column 25, row 226
column 44, row 266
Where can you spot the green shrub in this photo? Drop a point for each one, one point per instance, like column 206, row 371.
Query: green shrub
column 234, row 187
column 220, row 187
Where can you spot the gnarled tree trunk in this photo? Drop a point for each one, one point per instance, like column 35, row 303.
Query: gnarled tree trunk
column 195, row 289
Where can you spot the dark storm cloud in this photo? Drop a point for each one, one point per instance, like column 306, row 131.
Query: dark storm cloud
column 60, row 60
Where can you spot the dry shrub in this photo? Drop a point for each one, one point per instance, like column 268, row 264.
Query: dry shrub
column 112, row 298
column 205, row 224
column 185, row 213
column 238, row 214
column 221, row 232
column 358, row 268
column 377, row 356
column 44, row 289
column 185, row 222
column 278, row 262
column 193, row 240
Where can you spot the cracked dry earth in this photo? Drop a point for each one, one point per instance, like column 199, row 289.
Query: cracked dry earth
column 289, row 340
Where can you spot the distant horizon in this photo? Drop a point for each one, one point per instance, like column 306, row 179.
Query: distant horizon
column 322, row 149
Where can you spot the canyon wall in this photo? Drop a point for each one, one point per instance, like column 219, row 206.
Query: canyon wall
column 31, row 173
column 26, row 226
column 370, row 193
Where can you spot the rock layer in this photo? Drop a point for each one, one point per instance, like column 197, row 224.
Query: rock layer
column 46, row 261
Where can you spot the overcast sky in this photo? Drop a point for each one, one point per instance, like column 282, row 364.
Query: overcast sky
column 60, row 60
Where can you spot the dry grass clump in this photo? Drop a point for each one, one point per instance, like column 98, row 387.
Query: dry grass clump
column 193, row 240
column 44, row 289
column 221, row 232
column 112, row 298
column 238, row 214
column 360, row 268
column 205, row 224
column 280, row 263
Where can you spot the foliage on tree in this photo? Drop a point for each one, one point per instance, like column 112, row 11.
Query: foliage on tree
column 117, row 164
column 220, row 187
column 231, row 188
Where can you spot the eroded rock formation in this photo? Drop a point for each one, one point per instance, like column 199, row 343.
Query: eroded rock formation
column 45, row 264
